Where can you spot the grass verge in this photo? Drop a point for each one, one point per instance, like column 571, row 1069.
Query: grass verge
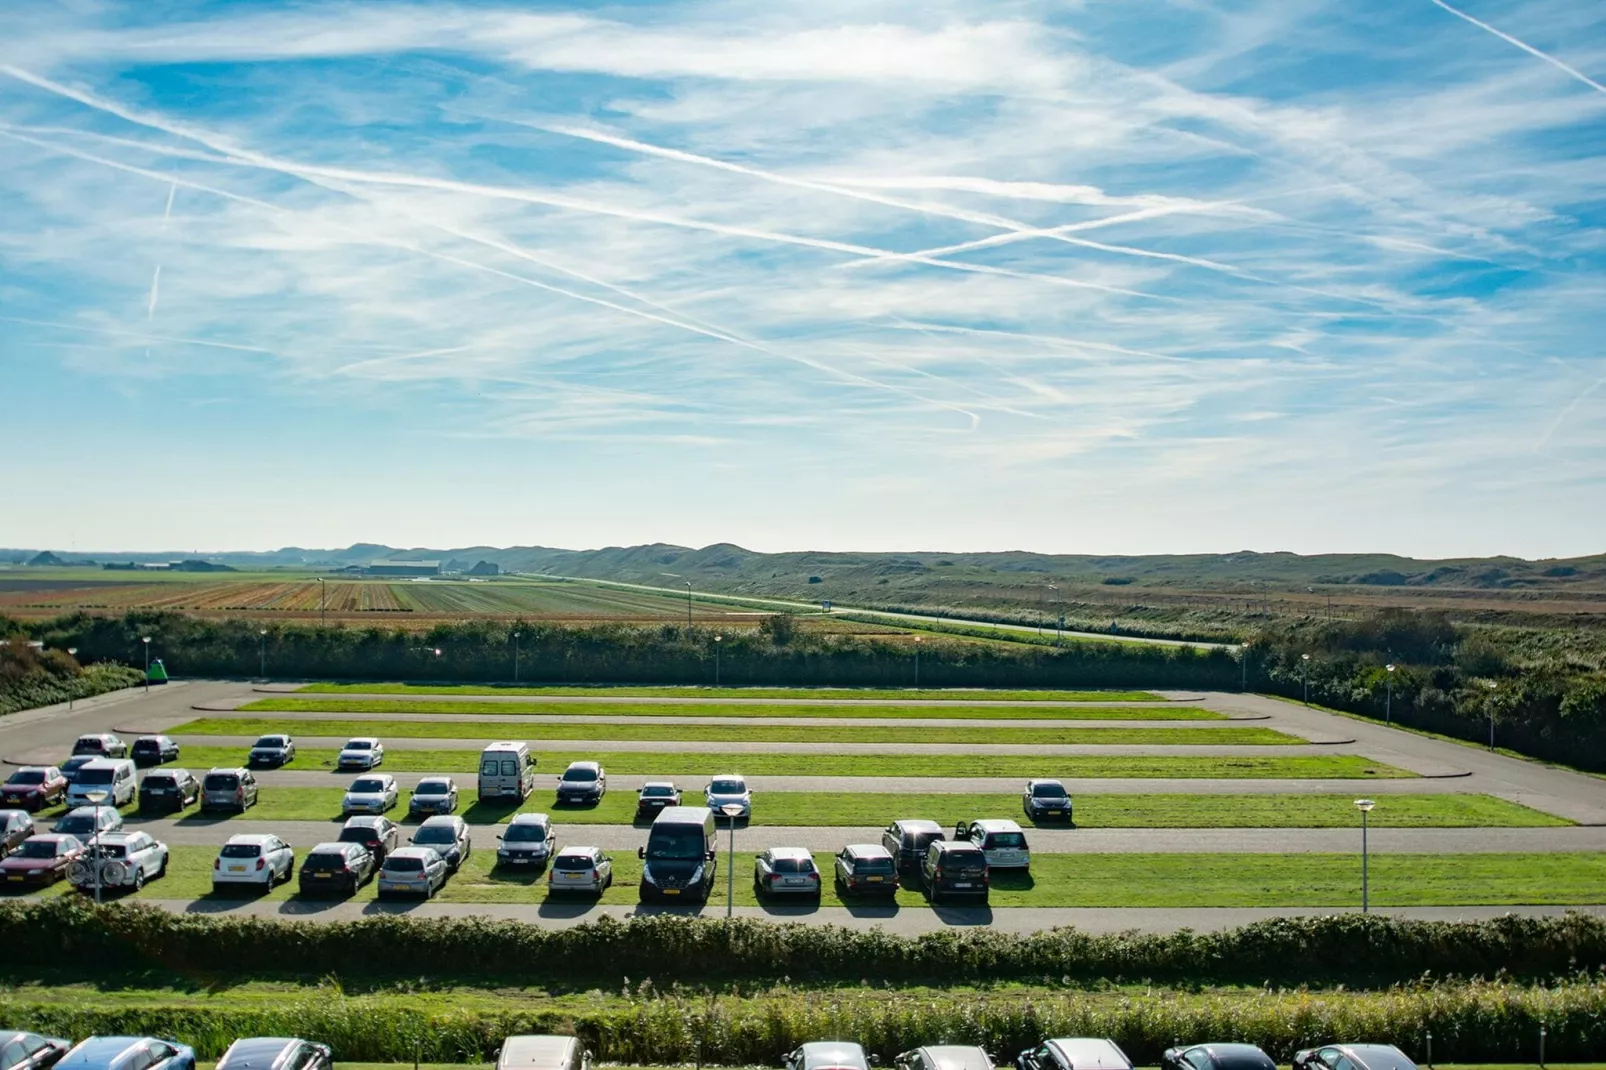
column 819, row 694
column 955, row 710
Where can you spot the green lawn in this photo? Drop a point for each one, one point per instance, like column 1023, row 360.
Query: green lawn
column 820, row 694
column 481, row 708
column 746, row 733
column 781, row 763
column 808, row 808
column 1094, row 880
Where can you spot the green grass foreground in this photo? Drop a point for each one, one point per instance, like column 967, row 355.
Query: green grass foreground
column 809, row 808
column 955, row 710
column 815, row 694
column 670, row 764
column 747, row 733
column 1079, row 880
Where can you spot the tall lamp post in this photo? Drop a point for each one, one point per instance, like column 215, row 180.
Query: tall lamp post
column 321, row 602
column 1388, row 702
column 146, row 641
column 688, row 603
column 262, row 660
column 1365, row 807
column 1243, row 667
column 1056, row 591
column 72, row 652
column 1304, row 675
column 515, row 657
column 96, row 797
column 917, row 663
column 1492, row 686
column 718, row 639
column 730, row 810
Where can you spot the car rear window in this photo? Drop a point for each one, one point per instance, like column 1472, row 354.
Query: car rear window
column 792, row 865
column 358, row 834
column 27, row 776
column 112, row 850
column 324, row 861
column 242, row 850
column 1006, row 839
column 222, row 781
column 575, row 862
column 961, row 860
column 872, row 865
column 160, row 780
column 404, row 865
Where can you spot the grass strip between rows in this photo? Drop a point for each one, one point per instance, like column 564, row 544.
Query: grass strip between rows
column 821, row 694
column 947, row 711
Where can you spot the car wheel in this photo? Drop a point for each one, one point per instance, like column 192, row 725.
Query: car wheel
column 936, row 897
column 758, row 888
column 139, row 878
column 162, row 872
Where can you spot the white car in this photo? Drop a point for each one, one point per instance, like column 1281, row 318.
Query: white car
column 370, row 795
column 364, row 752
column 85, row 821
column 119, row 860
column 580, row 869
column 786, row 871
column 1000, row 839
column 255, row 859
column 729, row 789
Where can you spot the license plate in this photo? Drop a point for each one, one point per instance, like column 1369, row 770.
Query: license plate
column 965, row 884
column 875, row 880
column 12, row 877
column 236, row 869
column 320, row 876
column 671, row 891
column 1055, row 813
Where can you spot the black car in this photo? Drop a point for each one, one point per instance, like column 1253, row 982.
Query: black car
column 271, row 751
column 582, row 783
column 954, row 868
column 30, row 1051
column 653, row 797
column 154, row 750
column 339, row 868
column 907, row 841
column 276, row 1053
column 1353, row 1057
column 1046, row 800
column 167, row 790
column 15, row 826
column 1216, row 1057
column 70, row 767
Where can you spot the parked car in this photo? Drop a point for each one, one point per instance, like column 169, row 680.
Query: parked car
column 827, row 1055
column 166, row 790
column 1000, row 839
column 1216, row 1057
column 1353, row 1057
column 228, row 789
column 253, row 858
column 34, row 787
column 40, row 859
column 375, row 794
column 1074, row 1053
column 729, row 789
column 337, row 867
column 271, row 751
column 30, row 1051
column 100, row 745
column 379, row 835
column 907, row 841
column 866, row 869
column 945, row 1057
column 449, row 836
column 128, row 1053
column 528, row 840
column 542, row 1053
column 119, row 860
column 276, row 1053
column 954, row 868
column 70, row 767
column 85, row 821
column 654, row 796
column 582, row 783
column 154, row 750
column 1046, row 800
column 580, row 869
column 116, row 778
column 15, row 826
column 786, row 871
column 434, row 795
column 364, row 752
column 417, row 871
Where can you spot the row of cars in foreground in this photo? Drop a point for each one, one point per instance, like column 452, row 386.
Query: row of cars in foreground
column 30, row 1051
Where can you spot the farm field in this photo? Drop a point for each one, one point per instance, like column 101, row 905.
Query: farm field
column 817, row 695
column 693, row 708
column 1080, row 880
column 807, row 809
column 767, row 763
column 747, row 733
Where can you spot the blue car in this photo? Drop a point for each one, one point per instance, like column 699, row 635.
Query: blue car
column 128, row 1053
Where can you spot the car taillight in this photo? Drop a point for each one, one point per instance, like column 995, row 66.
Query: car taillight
column 596, row 874
column 217, row 863
column 261, row 862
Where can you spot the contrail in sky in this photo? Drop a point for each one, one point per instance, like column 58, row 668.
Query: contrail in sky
column 1530, row 49
column 156, row 277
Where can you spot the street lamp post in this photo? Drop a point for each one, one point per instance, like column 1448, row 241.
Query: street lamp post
column 1304, row 662
column 1388, row 702
column 515, row 657
column 72, row 652
column 1492, row 686
column 262, row 659
column 1365, row 807
column 718, row 639
column 730, row 810
column 96, row 797
column 1243, row 667
column 321, row 603
column 917, row 663
column 146, row 640
column 688, row 603
column 1056, row 591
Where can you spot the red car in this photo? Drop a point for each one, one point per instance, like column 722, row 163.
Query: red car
column 40, row 860
column 34, row 787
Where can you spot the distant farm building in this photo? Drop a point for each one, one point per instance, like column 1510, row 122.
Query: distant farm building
column 403, row 568
column 485, row 568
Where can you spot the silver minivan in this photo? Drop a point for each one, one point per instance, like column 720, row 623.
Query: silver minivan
column 542, row 1053
column 507, row 770
column 114, row 776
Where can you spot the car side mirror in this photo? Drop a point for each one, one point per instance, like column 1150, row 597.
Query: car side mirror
column 875, row 1060
column 641, row 852
column 712, row 855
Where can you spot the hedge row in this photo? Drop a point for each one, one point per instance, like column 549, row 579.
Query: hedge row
column 1471, row 1022
column 1347, row 948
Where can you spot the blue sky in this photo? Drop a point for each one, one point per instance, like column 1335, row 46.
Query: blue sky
column 1098, row 277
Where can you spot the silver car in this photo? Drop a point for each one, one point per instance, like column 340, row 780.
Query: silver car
column 434, row 795
column 729, row 789
column 449, row 836
column 580, row 869
column 85, row 821
column 419, row 871
column 786, row 871
column 827, row 1055
column 370, row 795
column 254, row 859
column 364, row 752
column 119, row 860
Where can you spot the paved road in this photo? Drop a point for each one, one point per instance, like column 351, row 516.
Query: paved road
column 903, row 921
column 828, row 697
column 491, row 714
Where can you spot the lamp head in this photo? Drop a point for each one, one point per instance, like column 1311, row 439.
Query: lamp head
column 1364, row 805
column 72, row 650
column 719, row 638
column 1304, row 657
column 95, row 796
column 1390, row 668
column 731, row 809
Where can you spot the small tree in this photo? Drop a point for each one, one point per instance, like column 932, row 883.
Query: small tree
column 778, row 627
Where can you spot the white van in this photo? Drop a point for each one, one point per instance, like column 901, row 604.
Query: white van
column 542, row 1053
column 507, row 770
column 114, row 776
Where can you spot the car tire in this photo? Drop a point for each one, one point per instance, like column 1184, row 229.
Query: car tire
column 139, row 878
column 758, row 888
column 162, row 872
